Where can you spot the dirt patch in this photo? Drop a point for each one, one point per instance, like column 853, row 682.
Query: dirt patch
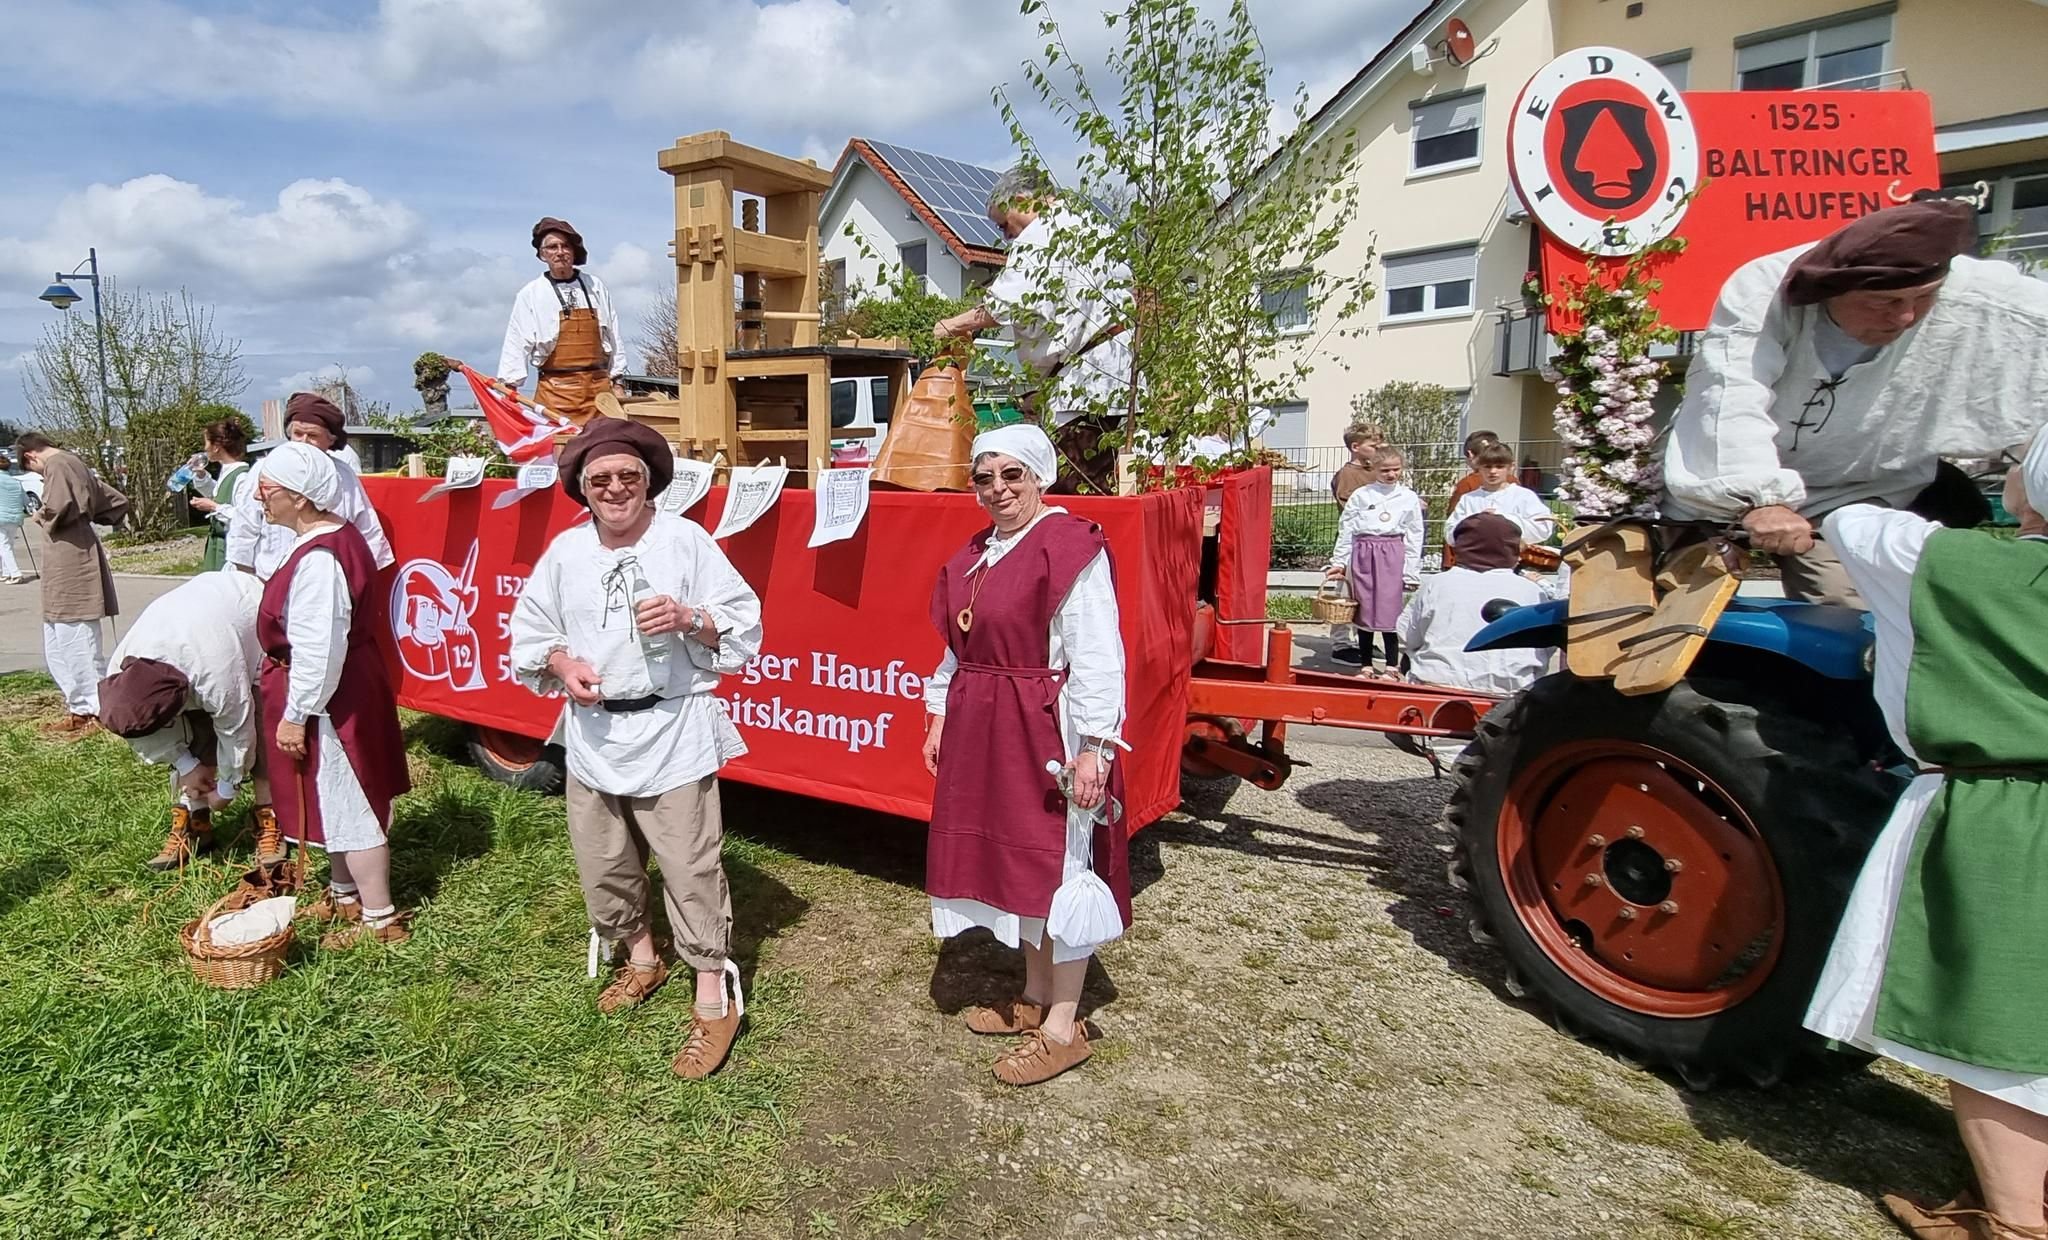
column 177, row 556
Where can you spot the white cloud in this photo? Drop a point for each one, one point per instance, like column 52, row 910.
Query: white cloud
column 306, row 380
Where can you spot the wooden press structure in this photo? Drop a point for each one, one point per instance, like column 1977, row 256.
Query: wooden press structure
column 754, row 379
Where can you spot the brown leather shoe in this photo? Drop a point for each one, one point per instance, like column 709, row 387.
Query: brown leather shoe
column 1011, row 1016
column 711, row 1038
column 191, row 834
column 1038, row 1058
column 269, row 836
column 390, row 934
column 1961, row 1219
column 70, row 727
column 325, row 910
column 631, row 986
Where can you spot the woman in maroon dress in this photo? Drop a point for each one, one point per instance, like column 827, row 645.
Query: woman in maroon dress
column 328, row 709
column 1030, row 694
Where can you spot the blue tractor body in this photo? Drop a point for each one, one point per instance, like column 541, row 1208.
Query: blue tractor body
column 1834, row 642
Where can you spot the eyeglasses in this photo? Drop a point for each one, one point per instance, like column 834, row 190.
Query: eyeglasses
column 983, row 479
column 630, row 479
column 558, row 249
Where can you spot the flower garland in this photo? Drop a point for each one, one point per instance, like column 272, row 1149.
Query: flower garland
column 1607, row 380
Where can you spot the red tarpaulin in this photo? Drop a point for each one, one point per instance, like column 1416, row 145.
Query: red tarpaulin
column 833, row 707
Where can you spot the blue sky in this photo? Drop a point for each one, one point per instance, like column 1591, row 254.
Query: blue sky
column 348, row 184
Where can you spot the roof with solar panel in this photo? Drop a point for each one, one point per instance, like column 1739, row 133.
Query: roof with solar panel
column 949, row 196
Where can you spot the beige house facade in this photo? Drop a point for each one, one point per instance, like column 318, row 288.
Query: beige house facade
column 1447, row 244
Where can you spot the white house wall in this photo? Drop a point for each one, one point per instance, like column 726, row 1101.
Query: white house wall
column 881, row 217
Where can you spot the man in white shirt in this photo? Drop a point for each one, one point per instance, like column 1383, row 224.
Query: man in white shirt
column 255, row 545
column 182, row 693
column 1841, row 372
column 564, row 326
column 604, row 620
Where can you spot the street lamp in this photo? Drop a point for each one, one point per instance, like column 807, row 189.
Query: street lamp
column 63, row 297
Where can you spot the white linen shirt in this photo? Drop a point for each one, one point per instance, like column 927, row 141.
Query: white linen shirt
column 317, row 616
column 206, row 628
column 536, row 324
column 255, row 544
column 1380, row 508
column 1053, row 308
column 1444, row 614
column 1515, row 502
column 1764, row 422
column 568, row 605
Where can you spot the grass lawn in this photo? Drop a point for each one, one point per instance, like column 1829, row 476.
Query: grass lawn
column 461, row 1085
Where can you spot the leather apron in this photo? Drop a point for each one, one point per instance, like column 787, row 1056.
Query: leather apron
column 577, row 372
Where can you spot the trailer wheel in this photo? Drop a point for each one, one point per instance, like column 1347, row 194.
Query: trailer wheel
column 1665, row 873
column 516, row 761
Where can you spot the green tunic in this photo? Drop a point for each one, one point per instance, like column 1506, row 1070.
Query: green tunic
column 215, row 557
column 1966, row 975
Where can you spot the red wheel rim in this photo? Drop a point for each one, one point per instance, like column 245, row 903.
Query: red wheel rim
column 509, row 749
column 1641, row 878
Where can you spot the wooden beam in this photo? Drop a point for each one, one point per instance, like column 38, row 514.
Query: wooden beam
column 754, row 171
column 780, row 257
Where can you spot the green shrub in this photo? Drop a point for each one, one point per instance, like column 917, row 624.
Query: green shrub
column 1302, row 534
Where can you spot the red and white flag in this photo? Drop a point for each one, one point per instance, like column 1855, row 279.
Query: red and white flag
column 524, row 432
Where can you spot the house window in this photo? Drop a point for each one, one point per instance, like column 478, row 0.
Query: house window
column 1446, row 132
column 913, row 257
column 2013, row 222
column 1430, row 283
column 835, row 279
column 1849, row 54
column 1676, row 67
column 1289, row 428
column 1284, row 299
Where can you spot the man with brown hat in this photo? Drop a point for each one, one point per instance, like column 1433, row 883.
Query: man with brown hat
column 182, row 693
column 1841, row 372
column 255, row 545
column 634, row 617
column 564, row 326
column 78, row 584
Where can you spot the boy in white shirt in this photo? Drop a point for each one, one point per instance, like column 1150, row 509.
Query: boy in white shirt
column 1495, row 464
column 1379, row 548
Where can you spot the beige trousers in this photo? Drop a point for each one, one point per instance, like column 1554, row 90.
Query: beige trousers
column 612, row 837
column 1817, row 576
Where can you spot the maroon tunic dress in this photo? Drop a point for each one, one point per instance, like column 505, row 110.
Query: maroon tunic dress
column 363, row 711
column 999, row 823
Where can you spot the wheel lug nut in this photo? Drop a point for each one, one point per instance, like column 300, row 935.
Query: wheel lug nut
column 1635, row 833
column 1596, row 841
column 1628, row 912
column 1594, row 880
column 1673, row 865
column 1669, row 908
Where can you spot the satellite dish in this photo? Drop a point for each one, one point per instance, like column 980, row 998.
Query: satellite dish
column 1459, row 46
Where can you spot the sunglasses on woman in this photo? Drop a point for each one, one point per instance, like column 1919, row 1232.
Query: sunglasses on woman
column 983, row 479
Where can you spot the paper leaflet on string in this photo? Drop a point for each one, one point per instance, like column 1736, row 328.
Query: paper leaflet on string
column 533, row 476
column 751, row 491
column 842, row 503
column 463, row 472
column 524, row 431
column 691, row 484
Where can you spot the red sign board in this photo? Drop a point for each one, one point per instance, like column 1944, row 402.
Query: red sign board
column 833, row 707
column 1778, row 169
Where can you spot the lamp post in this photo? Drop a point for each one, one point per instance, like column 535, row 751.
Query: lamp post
column 60, row 295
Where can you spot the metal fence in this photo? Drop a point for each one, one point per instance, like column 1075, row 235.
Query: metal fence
column 1305, row 510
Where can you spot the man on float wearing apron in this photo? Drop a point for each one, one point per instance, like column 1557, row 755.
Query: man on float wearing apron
column 1938, row 962
column 564, row 326
column 1840, row 373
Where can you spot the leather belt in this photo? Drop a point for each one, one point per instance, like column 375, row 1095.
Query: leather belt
column 626, row 706
column 569, row 370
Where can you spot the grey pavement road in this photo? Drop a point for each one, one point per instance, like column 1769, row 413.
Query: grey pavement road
column 21, row 610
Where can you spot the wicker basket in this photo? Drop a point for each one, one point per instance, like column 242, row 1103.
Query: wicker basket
column 240, row 967
column 1330, row 606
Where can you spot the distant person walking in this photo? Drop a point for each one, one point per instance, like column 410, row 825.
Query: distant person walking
column 12, row 508
column 78, row 584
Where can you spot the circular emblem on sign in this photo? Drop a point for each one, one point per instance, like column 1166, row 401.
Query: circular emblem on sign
column 1602, row 151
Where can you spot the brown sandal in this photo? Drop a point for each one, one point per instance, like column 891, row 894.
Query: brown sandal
column 1965, row 1218
column 326, row 910
column 1038, row 1059
column 390, row 934
column 1010, row 1016
column 711, row 1038
column 631, row 986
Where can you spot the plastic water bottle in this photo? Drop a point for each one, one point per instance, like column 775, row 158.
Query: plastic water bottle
column 1107, row 812
column 181, row 477
column 654, row 646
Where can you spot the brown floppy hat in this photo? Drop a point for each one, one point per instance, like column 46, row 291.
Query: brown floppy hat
column 549, row 224
column 1899, row 247
column 317, row 409
column 143, row 696
column 608, row 437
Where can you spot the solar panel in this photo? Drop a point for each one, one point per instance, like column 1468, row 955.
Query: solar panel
column 956, row 192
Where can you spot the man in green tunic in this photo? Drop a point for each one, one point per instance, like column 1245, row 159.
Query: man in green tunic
column 1941, row 961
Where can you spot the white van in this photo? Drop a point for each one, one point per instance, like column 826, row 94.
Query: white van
column 860, row 403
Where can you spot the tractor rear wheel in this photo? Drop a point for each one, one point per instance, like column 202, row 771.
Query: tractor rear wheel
column 1665, row 873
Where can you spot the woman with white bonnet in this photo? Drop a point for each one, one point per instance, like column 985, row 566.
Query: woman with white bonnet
column 1030, row 694
column 329, row 713
column 1938, row 960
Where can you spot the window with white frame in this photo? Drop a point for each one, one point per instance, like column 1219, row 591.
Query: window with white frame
column 913, row 256
column 1676, row 67
column 1284, row 299
column 1430, row 283
column 1446, row 133
column 1289, row 428
column 1849, row 51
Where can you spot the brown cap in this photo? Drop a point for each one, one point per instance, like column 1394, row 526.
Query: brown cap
column 315, row 408
column 143, row 696
column 1899, row 247
column 549, row 224
column 609, row 437
column 1487, row 540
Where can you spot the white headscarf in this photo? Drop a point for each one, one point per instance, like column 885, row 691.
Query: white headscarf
column 2034, row 472
column 1023, row 442
column 305, row 469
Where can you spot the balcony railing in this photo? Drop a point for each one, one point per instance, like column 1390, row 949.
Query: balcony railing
column 1887, row 79
column 1523, row 344
column 2026, row 251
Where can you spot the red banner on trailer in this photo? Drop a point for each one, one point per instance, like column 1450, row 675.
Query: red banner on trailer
column 833, row 707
